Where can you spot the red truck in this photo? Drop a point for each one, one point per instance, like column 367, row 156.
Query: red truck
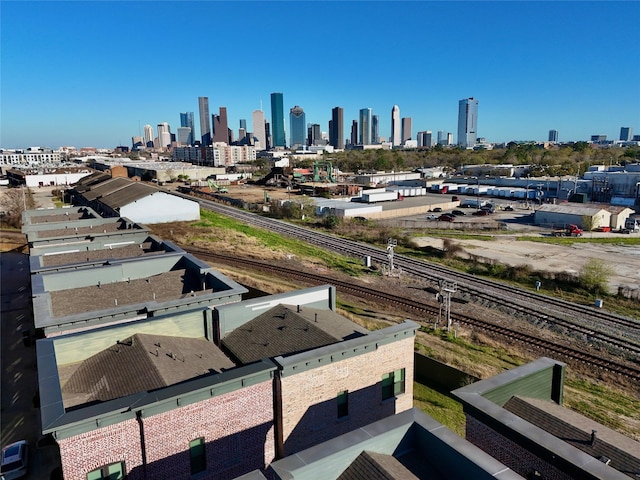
column 570, row 231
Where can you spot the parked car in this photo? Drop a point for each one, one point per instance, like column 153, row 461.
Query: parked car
column 458, row 212
column 446, row 218
column 508, row 208
column 437, row 209
column 15, row 460
column 481, row 213
column 432, row 216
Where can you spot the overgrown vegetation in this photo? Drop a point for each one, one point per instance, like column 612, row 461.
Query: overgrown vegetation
column 218, row 227
column 13, row 203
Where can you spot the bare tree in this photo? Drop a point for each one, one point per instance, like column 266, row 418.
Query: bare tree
column 13, row 202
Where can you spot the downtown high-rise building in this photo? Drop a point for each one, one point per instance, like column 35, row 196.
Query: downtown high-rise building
column 164, row 135
column 259, row 132
column 220, row 126
column 186, row 120
column 205, row 125
column 148, row 136
column 626, row 134
column 467, row 122
column 396, row 138
column 354, row 132
column 375, row 129
column 336, row 128
column 406, row 129
column 184, row 136
column 298, row 125
column 553, row 136
column 365, row 126
column 314, row 135
column 277, row 120
column 424, row 139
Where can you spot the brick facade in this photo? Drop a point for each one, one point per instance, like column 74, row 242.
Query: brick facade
column 237, row 429
column 510, row 453
column 309, row 398
column 88, row 451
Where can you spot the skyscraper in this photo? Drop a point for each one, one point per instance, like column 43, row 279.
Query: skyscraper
column 375, row 129
column 395, row 126
column 205, row 126
column 467, row 122
column 626, row 134
column 259, row 134
column 220, row 126
column 354, row 132
column 406, row 129
column 184, row 136
column 314, row 136
column 298, row 124
column 553, row 136
column 336, row 129
column 148, row 136
column 277, row 120
column 186, row 120
column 243, row 123
column 164, row 135
column 365, row 126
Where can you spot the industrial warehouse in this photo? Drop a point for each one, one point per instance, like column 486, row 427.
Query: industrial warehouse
column 183, row 372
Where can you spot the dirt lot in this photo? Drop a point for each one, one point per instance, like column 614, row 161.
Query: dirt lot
column 554, row 258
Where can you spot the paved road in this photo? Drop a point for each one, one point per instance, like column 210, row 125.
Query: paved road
column 20, row 419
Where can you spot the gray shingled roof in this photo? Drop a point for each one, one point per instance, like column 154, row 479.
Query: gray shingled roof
column 72, row 231
column 137, row 364
column 278, row 331
column 126, row 251
column 575, row 429
column 376, row 466
column 163, row 287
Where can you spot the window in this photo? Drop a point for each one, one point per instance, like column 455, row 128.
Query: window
column 197, row 455
column 392, row 384
column 343, row 404
column 114, row 471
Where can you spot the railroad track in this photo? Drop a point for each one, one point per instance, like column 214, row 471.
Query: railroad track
column 565, row 352
column 590, row 323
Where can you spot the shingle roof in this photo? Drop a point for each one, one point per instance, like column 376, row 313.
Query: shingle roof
column 278, row 331
column 575, row 429
column 71, row 231
column 164, row 287
column 127, row 251
column 137, row 364
column 376, row 466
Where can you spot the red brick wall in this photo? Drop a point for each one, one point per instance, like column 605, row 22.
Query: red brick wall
column 509, row 453
column 237, row 430
column 309, row 399
column 88, row 451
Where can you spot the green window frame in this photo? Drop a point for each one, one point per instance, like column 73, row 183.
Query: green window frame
column 343, row 403
column 393, row 384
column 197, row 456
column 113, row 471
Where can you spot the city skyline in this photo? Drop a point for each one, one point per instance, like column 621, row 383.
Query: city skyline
column 66, row 91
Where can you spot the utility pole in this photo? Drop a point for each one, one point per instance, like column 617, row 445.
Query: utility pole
column 444, row 298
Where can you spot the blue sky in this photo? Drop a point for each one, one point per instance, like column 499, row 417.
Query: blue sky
column 93, row 73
